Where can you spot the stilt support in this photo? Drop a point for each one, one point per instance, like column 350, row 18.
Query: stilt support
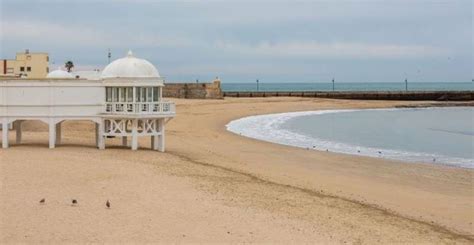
column 154, row 142
column 97, row 135
column 100, row 135
column 52, row 134
column 134, row 134
column 161, row 138
column 5, row 133
column 58, row 133
column 18, row 131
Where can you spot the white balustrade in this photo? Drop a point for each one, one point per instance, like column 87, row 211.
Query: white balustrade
column 164, row 107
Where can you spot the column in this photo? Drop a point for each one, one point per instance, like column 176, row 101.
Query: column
column 154, row 142
column 18, row 131
column 134, row 134
column 161, row 140
column 96, row 134
column 124, row 141
column 58, row 133
column 100, row 135
column 52, row 133
column 5, row 133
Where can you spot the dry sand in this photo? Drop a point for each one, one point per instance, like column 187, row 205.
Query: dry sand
column 215, row 186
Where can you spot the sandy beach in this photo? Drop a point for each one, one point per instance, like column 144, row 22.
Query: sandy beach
column 215, row 186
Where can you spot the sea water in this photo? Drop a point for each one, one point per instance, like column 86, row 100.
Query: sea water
column 432, row 135
column 375, row 86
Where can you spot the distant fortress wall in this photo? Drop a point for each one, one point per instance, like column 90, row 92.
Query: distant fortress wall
column 392, row 95
column 194, row 90
column 213, row 90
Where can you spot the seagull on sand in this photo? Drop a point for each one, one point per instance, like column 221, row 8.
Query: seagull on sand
column 107, row 204
column 42, row 201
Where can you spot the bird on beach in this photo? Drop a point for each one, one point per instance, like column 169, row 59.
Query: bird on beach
column 107, row 204
column 358, row 151
column 434, row 159
column 42, row 201
column 380, row 152
column 74, row 201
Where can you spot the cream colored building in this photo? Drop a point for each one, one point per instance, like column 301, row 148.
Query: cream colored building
column 26, row 65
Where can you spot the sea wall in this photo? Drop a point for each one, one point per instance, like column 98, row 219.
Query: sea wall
column 392, row 95
column 194, row 90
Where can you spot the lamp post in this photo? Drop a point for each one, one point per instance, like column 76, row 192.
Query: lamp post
column 333, row 84
column 257, row 85
column 406, row 84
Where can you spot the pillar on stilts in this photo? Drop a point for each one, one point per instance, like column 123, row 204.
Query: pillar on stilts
column 161, row 137
column 4, row 133
column 52, row 134
column 18, row 131
column 58, row 133
column 134, row 134
column 99, row 134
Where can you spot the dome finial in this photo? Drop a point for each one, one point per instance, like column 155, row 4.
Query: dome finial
column 130, row 53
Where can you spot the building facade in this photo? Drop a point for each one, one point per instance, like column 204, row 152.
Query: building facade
column 125, row 102
column 26, row 65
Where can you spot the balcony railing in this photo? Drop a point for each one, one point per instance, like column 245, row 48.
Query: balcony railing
column 163, row 107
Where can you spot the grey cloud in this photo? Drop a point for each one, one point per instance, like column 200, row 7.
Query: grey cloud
column 245, row 39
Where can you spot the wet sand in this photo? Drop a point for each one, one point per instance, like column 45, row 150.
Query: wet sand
column 214, row 186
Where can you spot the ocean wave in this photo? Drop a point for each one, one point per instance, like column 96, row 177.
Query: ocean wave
column 268, row 128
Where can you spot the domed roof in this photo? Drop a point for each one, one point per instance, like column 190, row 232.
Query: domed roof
column 59, row 74
column 130, row 67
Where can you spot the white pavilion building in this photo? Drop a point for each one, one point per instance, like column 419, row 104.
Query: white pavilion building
column 125, row 102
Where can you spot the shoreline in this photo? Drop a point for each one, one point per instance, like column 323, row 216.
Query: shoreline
column 214, row 186
column 265, row 127
column 361, row 104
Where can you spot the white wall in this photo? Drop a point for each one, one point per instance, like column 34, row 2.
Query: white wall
column 45, row 98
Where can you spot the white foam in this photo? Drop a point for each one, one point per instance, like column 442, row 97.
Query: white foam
column 268, row 128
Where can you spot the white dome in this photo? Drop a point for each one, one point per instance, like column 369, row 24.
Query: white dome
column 130, row 67
column 59, row 74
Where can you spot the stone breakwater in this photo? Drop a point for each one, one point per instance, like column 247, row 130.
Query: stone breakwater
column 213, row 90
column 410, row 95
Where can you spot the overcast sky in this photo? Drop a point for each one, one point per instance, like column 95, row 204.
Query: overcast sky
column 275, row 41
